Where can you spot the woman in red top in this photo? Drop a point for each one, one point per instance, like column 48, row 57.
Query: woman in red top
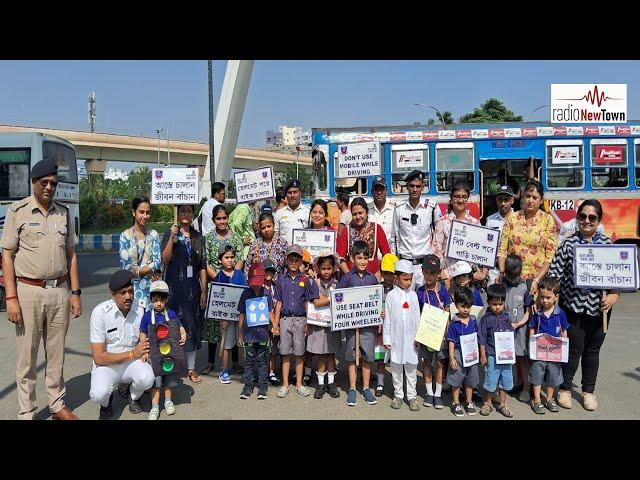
column 361, row 229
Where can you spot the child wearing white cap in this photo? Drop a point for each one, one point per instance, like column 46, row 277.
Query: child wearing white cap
column 160, row 314
column 402, row 315
column 462, row 276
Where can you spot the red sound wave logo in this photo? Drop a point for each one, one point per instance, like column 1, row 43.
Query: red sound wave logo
column 594, row 97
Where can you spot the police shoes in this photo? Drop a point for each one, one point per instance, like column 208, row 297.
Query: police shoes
column 64, row 414
column 106, row 412
column 134, row 406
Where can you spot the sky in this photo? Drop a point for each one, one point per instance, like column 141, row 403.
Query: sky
column 138, row 97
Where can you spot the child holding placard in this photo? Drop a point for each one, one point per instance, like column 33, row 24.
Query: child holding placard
column 552, row 320
column 255, row 338
column 496, row 376
column 321, row 340
column 462, row 324
column 435, row 294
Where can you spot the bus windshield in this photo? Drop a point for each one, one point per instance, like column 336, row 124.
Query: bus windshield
column 14, row 173
column 65, row 159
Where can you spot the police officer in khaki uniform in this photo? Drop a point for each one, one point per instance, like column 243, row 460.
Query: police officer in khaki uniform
column 39, row 262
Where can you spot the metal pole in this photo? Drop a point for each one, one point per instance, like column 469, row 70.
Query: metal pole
column 168, row 149
column 212, row 165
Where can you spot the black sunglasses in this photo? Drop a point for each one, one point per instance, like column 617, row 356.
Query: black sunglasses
column 43, row 183
column 583, row 216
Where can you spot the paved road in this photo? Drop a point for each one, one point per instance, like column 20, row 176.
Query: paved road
column 618, row 382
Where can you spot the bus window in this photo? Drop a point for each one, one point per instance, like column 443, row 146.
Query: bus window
column 353, row 186
column 405, row 159
column 454, row 161
column 14, row 173
column 320, row 171
column 609, row 161
column 565, row 164
column 65, row 159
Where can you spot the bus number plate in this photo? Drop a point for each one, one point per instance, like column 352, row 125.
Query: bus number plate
column 561, row 204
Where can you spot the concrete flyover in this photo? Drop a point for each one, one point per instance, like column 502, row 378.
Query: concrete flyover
column 98, row 148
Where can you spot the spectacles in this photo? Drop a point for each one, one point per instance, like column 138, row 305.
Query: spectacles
column 464, row 198
column 583, row 216
column 43, row 183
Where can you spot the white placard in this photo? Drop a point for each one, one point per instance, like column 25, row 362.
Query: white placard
column 358, row 160
column 547, row 348
column 469, row 349
column 473, row 243
column 319, row 316
column 409, row 158
column 254, row 185
column 356, row 307
column 606, row 267
column 175, row 186
column 505, row 347
column 223, row 300
column 316, row 241
column 565, row 155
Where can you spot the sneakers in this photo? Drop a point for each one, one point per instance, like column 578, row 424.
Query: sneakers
column 273, row 380
column 283, row 392
column 564, row 398
column 304, row 391
column 538, row 408
column 225, row 377
column 552, row 406
column 332, row 390
column 262, row 394
column 154, row 413
column 134, row 406
column 246, row 392
column 470, row 408
column 457, row 410
column 369, row 397
column 396, row 403
column 589, row 401
column 320, row 389
column 379, row 390
column 306, row 379
column 352, row 397
column 169, row 407
column 438, row 403
column 525, row 396
column 413, row 405
column 428, row 401
column 106, row 412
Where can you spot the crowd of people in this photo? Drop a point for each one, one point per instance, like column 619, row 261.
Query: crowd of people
column 165, row 278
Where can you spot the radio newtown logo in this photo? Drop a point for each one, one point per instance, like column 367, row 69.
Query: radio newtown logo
column 589, row 103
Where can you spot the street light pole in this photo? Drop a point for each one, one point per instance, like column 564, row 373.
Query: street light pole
column 437, row 111
column 535, row 110
column 158, row 130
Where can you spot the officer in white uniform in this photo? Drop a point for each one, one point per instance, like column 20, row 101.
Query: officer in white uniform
column 294, row 215
column 413, row 226
column 116, row 351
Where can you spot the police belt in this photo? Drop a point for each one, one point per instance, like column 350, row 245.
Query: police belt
column 50, row 283
column 415, row 261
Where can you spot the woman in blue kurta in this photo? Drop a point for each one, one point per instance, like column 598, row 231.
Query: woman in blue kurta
column 140, row 250
column 186, row 273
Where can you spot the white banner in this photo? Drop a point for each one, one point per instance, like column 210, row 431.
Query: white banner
column 315, row 241
column 319, row 316
column 588, row 103
column 358, row 160
column 356, row 307
column 409, row 158
column 473, row 243
column 565, row 155
column 223, row 300
column 547, row 348
column 175, row 186
column 505, row 347
column 606, row 267
column 254, row 185
column 469, row 349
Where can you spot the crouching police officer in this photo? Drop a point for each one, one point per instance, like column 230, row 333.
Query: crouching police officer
column 39, row 261
column 116, row 351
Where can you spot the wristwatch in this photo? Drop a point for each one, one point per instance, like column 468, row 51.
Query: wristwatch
column 76, row 292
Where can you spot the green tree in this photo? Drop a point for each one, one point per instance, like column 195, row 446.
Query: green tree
column 493, row 110
column 447, row 118
column 303, row 176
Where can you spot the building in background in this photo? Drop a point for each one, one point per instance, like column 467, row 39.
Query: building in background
column 116, row 174
column 289, row 140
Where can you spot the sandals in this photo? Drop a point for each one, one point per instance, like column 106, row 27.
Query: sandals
column 193, row 376
column 504, row 411
column 486, row 409
column 206, row 370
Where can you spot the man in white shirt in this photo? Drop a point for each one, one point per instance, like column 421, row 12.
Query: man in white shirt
column 218, row 196
column 504, row 200
column 413, row 225
column 294, row 215
column 116, row 351
column 382, row 211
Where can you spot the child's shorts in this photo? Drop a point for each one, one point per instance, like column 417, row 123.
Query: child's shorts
column 231, row 336
column 321, row 340
column 521, row 341
column 367, row 344
column 497, row 375
column 292, row 335
column 550, row 372
column 427, row 355
column 468, row 376
column 169, row 381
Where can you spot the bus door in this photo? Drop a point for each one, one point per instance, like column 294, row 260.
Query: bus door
column 454, row 161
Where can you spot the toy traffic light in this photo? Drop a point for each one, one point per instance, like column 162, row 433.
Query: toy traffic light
column 166, row 353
